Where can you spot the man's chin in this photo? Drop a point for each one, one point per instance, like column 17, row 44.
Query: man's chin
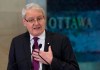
column 36, row 33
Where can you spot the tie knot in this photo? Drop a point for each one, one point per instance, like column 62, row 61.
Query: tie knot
column 35, row 38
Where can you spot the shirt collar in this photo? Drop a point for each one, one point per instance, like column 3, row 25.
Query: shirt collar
column 42, row 36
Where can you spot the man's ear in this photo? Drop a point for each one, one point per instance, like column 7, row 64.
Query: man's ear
column 24, row 22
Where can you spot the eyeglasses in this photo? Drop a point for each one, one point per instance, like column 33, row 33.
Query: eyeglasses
column 33, row 20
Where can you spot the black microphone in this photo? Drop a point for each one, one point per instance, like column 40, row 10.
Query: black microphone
column 40, row 45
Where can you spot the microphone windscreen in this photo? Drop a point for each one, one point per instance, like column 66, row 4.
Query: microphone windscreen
column 33, row 47
column 40, row 45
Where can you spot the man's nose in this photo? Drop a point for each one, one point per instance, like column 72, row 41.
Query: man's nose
column 36, row 22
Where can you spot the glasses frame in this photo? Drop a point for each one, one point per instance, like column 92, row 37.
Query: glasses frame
column 38, row 19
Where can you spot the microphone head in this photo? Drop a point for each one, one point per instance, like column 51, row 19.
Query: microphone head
column 33, row 47
column 40, row 45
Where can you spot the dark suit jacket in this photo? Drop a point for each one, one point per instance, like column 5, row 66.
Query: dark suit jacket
column 63, row 56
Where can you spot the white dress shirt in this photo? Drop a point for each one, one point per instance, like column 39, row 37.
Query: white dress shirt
column 41, row 40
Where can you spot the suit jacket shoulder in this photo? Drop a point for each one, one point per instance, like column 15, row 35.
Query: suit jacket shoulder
column 22, row 36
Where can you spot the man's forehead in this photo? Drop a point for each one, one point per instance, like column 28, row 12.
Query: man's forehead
column 34, row 11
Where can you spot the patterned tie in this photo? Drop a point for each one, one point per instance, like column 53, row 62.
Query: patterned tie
column 35, row 64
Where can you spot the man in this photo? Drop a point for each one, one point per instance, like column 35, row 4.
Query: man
column 54, row 51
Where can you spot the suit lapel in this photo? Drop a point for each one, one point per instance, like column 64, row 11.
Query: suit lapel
column 47, row 40
column 27, row 49
column 47, row 43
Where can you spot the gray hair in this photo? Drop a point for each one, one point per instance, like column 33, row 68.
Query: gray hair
column 31, row 6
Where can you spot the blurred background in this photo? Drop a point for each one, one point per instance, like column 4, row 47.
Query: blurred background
column 10, row 26
column 79, row 20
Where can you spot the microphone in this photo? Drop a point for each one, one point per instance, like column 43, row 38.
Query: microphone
column 40, row 45
column 44, row 59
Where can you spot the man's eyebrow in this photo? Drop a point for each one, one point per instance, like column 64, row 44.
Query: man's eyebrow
column 35, row 17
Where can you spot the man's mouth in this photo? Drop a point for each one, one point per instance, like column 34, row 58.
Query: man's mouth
column 36, row 28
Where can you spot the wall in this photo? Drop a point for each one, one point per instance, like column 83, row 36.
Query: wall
column 10, row 26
